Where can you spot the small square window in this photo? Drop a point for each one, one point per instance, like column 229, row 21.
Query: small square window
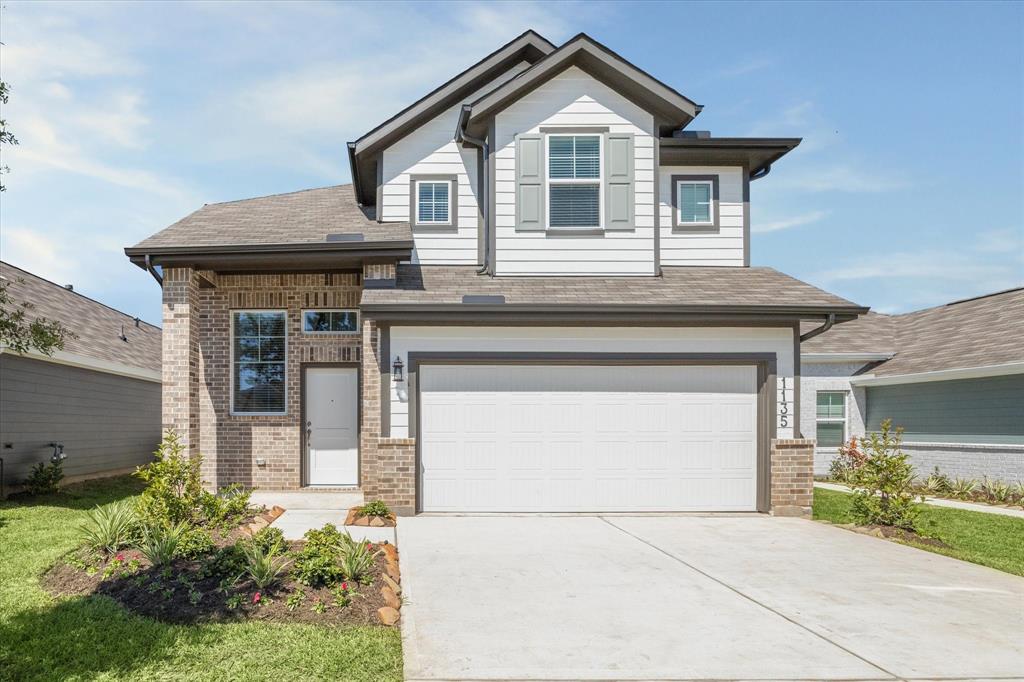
column 433, row 202
column 330, row 322
column 695, row 202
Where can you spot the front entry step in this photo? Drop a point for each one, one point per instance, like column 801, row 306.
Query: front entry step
column 309, row 498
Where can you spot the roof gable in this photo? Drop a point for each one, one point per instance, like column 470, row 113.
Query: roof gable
column 671, row 109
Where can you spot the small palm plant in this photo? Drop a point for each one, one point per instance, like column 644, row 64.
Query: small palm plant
column 111, row 527
column 936, row 483
column 159, row 542
column 263, row 566
column 963, row 488
column 356, row 560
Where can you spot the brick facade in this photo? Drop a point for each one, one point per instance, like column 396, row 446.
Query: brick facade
column 180, row 367
column 792, row 482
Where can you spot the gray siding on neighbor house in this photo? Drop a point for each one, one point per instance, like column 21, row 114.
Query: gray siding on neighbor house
column 105, row 421
column 989, row 410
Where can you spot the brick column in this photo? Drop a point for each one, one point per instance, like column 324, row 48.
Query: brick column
column 180, row 372
column 792, row 462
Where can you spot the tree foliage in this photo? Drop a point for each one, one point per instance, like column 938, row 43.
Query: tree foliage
column 6, row 136
column 20, row 333
column 883, row 484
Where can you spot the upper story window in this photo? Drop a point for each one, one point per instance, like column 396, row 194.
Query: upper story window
column 433, row 202
column 330, row 321
column 696, row 201
column 831, row 419
column 259, row 348
column 574, row 181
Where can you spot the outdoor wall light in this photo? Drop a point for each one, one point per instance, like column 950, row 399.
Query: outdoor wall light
column 58, row 452
column 396, row 369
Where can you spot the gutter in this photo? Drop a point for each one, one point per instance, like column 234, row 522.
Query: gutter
column 846, row 357
column 461, row 137
column 940, row 375
column 152, row 270
column 831, row 320
column 354, row 171
column 613, row 308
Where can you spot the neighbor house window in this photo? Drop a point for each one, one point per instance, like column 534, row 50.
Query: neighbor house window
column 574, row 181
column 259, row 350
column 694, row 202
column 433, row 202
column 831, row 426
column 330, row 321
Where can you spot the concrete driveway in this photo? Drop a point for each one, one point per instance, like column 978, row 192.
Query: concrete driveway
column 682, row 598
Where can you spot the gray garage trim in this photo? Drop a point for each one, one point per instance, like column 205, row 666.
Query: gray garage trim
column 765, row 363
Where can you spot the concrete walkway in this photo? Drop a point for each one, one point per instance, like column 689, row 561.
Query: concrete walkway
column 687, row 598
column 940, row 502
column 312, row 508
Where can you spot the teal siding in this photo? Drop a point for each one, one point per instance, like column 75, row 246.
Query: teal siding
column 989, row 410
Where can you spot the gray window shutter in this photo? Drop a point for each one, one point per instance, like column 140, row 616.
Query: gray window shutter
column 530, row 182
column 618, row 181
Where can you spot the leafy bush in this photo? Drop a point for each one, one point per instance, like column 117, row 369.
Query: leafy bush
column 316, row 564
column 374, row 508
column 356, row 561
column 227, row 507
column 174, row 488
column 269, row 538
column 195, row 542
column 111, row 527
column 883, row 492
column 847, row 461
column 159, row 543
column 226, row 561
column 262, row 567
column 45, row 478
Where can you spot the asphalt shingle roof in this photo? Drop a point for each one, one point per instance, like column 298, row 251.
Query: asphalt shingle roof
column 975, row 332
column 678, row 286
column 97, row 326
column 307, row 216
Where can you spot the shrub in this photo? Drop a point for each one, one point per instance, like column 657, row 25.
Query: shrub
column 356, row 561
column 111, row 527
column 316, row 564
column 848, row 460
column 937, row 483
column 45, row 478
column 227, row 507
column 963, row 488
column 262, row 567
column 269, row 538
column 374, row 508
column 883, row 491
column 159, row 543
column 995, row 491
column 174, row 488
column 194, row 542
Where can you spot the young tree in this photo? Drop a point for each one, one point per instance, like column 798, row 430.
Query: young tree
column 6, row 136
column 21, row 334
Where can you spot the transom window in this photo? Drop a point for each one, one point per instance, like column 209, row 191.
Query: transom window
column 330, row 321
column 694, row 202
column 831, row 419
column 433, row 202
column 574, row 180
column 259, row 351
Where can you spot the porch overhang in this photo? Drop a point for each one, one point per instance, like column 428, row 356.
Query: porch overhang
column 754, row 153
column 298, row 257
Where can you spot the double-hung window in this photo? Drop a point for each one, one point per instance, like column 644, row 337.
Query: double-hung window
column 259, row 352
column 831, row 419
column 433, row 202
column 695, row 202
column 574, row 181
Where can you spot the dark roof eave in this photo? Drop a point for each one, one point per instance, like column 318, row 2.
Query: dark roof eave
column 757, row 153
column 267, row 253
column 788, row 311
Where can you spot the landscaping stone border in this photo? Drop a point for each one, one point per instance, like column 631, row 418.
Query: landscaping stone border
column 390, row 613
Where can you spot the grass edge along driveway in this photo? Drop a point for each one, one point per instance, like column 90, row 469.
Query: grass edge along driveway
column 93, row 638
column 988, row 539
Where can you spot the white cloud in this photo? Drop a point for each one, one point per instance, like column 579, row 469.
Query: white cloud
column 839, row 177
column 1009, row 240
column 786, row 223
column 747, row 66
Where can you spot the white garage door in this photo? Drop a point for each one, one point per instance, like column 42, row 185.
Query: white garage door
column 507, row 438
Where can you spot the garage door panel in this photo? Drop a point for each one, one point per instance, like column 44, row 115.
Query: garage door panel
column 594, row 438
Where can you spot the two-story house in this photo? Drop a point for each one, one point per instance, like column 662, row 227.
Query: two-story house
column 536, row 295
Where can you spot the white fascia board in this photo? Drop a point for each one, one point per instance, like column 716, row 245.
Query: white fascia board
column 845, row 357
column 62, row 357
column 941, row 375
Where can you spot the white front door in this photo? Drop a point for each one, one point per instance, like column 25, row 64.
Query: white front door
column 508, row 438
column 332, row 431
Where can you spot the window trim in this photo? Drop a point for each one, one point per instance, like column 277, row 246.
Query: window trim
column 302, row 321
column 453, row 201
column 844, row 420
column 549, row 181
column 677, row 205
column 231, row 357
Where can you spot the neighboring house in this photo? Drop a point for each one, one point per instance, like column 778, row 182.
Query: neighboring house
column 535, row 296
column 99, row 397
column 951, row 376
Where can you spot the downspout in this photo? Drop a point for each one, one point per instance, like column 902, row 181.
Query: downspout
column 462, row 138
column 152, row 270
column 820, row 330
column 761, row 172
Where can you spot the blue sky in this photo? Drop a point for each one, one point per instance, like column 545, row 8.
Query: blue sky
column 908, row 190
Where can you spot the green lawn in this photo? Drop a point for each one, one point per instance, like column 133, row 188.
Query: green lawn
column 92, row 638
column 987, row 539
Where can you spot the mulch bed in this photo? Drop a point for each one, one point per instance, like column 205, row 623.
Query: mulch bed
column 185, row 593
column 900, row 534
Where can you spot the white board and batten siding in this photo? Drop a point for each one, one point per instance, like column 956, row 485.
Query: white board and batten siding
column 573, row 99
column 722, row 246
column 453, row 339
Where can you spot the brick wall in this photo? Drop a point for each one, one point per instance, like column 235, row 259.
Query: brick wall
column 231, row 444
column 792, row 483
column 180, row 370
